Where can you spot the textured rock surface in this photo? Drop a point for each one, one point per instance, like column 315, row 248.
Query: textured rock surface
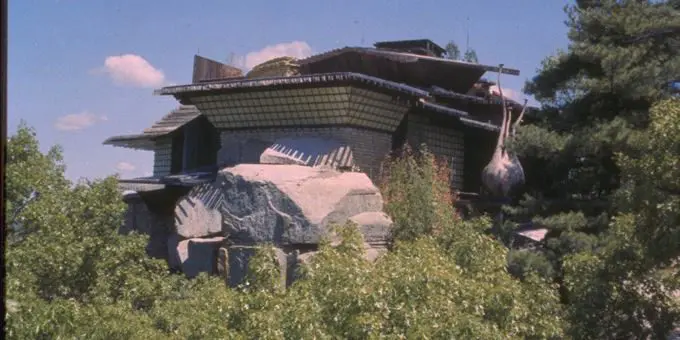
column 193, row 219
column 288, row 204
column 223, row 263
column 160, row 227
column 194, row 256
column 138, row 218
column 237, row 257
column 375, row 226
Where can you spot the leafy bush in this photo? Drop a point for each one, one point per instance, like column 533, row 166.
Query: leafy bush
column 415, row 187
column 74, row 276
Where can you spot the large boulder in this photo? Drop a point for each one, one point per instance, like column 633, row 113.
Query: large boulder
column 194, row 256
column 194, row 219
column 287, row 204
column 375, row 226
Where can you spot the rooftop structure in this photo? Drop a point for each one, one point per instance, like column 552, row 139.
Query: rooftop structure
column 419, row 46
column 367, row 101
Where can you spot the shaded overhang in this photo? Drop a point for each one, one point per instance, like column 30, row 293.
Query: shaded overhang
column 312, row 80
column 165, row 126
column 421, row 45
column 413, row 69
column 184, row 179
column 463, row 117
column 137, row 142
column 307, row 100
column 321, row 99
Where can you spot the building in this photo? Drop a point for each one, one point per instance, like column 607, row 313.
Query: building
column 346, row 108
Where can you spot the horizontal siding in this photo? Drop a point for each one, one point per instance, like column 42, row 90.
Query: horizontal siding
column 446, row 143
column 162, row 157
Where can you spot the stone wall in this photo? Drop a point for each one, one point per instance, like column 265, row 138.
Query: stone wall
column 368, row 147
column 292, row 208
column 139, row 218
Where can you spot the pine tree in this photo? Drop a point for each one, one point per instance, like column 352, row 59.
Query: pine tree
column 596, row 96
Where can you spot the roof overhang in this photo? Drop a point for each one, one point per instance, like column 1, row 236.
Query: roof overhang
column 312, row 80
column 137, row 142
column 184, row 179
column 415, row 69
column 245, row 99
column 308, row 100
column 167, row 125
column 463, row 117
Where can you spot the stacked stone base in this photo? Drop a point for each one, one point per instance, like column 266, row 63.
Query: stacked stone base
column 217, row 226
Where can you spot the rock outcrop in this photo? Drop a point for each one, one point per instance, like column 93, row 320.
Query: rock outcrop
column 291, row 207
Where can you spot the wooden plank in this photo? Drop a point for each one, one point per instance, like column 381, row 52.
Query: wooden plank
column 206, row 70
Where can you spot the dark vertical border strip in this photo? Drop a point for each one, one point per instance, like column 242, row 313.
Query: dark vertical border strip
column 3, row 142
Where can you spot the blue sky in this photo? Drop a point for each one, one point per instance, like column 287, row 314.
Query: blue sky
column 80, row 71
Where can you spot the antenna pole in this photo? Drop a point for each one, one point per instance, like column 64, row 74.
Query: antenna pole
column 467, row 39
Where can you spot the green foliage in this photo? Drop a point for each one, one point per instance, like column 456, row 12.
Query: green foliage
column 452, row 50
column 523, row 263
column 598, row 151
column 470, row 56
column 453, row 53
column 30, row 171
column 416, row 193
column 76, row 277
column 620, row 289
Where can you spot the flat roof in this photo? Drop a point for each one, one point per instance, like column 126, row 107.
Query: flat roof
column 226, row 85
column 409, row 68
column 413, row 43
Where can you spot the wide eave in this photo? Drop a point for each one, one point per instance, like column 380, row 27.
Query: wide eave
column 165, row 126
column 420, row 98
column 410, row 68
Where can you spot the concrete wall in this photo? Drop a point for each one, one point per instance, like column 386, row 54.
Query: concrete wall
column 369, row 147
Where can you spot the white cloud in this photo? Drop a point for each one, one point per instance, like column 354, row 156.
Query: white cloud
column 131, row 69
column 296, row 49
column 125, row 166
column 509, row 93
column 77, row 121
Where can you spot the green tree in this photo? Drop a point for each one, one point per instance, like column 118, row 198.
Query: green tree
column 452, row 50
column 596, row 98
column 69, row 265
column 34, row 182
column 470, row 56
column 624, row 289
column 76, row 277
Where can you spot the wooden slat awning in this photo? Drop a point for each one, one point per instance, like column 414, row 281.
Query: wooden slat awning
column 166, row 125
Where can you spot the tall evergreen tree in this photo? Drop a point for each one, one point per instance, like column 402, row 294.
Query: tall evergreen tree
column 596, row 96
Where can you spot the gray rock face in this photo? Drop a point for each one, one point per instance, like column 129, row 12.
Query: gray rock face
column 289, row 204
column 375, row 226
column 194, row 256
column 138, row 218
column 193, row 219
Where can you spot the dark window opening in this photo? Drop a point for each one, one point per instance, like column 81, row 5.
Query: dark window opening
column 177, row 153
column 200, row 145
